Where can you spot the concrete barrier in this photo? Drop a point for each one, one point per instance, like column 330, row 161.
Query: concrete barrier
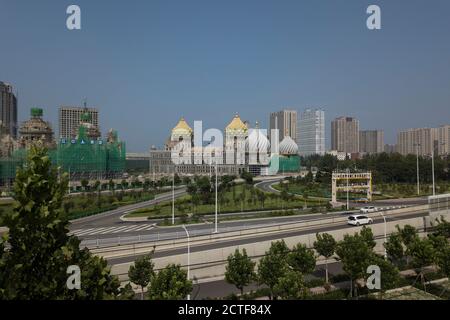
column 211, row 263
column 142, row 248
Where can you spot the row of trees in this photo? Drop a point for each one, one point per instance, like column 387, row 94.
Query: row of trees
column 146, row 185
column 386, row 168
column 283, row 270
column 170, row 283
column 406, row 248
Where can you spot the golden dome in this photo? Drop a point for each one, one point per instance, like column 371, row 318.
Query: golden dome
column 236, row 124
column 182, row 128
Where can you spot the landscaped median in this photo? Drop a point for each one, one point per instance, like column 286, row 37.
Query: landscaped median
column 243, row 200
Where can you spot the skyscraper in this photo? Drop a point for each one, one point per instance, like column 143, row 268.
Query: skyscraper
column 311, row 132
column 286, row 122
column 71, row 117
column 8, row 109
column 345, row 135
column 371, row 141
column 424, row 141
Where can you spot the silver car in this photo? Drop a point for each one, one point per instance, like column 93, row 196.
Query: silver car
column 368, row 209
column 359, row 220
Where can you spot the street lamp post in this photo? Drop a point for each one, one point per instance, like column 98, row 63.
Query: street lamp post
column 215, row 222
column 385, row 234
column 188, row 256
column 432, row 171
column 173, row 196
column 348, row 172
column 417, row 164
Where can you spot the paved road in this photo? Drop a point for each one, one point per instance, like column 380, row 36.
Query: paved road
column 108, row 229
column 264, row 237
column 267, row 186
column 112, row 218
column 124, row 229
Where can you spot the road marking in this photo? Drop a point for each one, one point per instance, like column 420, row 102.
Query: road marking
column 108, row 230
column 81, row 232
column 90, row 232
column 126, row 229
column 146, row 227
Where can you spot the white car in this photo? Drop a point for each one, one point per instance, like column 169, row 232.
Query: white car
column 368, row 209
column 359, row 220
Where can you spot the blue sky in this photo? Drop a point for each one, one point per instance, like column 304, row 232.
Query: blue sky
column 146, row 63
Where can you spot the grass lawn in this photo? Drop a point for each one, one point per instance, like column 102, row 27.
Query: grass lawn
column 88, row 204
column 314, row 190
column 184, row 206
column 385, row 190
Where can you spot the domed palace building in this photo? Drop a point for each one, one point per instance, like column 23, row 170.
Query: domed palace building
column 242, row 149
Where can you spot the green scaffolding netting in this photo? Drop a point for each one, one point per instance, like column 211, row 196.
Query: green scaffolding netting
column 285, row 163
column 81, row 158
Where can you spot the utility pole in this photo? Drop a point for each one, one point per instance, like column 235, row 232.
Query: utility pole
column 418, row 179
column 173, row 196
column 188, row 256
column 215, row 228
column 432, row 171
column 348, row 172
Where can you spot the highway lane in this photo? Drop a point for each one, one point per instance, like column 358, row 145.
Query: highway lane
column 129, row 232
column 108, row 225
column 129, row 229
column 264, row 237
column 111, row 218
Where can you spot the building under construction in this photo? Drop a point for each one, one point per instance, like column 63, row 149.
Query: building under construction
column 81, row 157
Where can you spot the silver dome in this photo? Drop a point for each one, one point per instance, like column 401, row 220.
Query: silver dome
column 288, row 146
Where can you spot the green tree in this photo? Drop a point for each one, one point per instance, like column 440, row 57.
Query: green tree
column 40, row 249
column 170, row 283
column 443, row 260
column 97, row 184
column 422, row 255
column 302, row 259
column 84, row 184
column 126, row 292
column 240, row 270
column 408, row 234
column 273, row 265
column 355, row 255
column 291, row 286
column 442, row 228
column 394, row 248
column 325, row 246
column 142, row 273
column 247, row 176
column 390, row 275
column 111, row 185
column 367, row 234
column 67, row 206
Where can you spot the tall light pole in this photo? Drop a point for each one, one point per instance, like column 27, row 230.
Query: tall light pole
column 215, row 223
column 173, row 196
column 417, row 164
column 432, row 170
column 348, row 172
column 385, row 234
column 188, row 256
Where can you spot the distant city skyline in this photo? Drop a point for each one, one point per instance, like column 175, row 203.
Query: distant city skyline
column 147, row 64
